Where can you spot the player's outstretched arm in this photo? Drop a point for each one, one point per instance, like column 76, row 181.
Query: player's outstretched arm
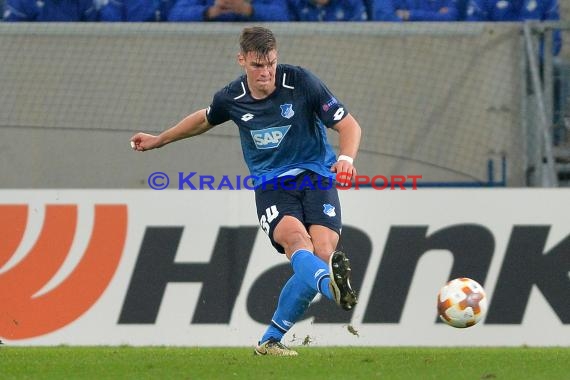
column 192, row 125
column 349, row 141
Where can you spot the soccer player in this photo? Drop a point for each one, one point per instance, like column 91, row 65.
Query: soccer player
column 282, row 112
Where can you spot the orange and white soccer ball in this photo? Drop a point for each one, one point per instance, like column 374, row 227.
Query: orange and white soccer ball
column 462, row 302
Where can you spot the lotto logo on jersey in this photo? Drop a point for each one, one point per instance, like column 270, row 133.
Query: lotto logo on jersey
column 269, row 138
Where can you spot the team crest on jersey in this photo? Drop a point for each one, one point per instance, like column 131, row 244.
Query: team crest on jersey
column 287, row 110
column 269, row 138
column 329, row 210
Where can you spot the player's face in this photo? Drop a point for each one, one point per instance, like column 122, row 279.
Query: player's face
column 260, row 72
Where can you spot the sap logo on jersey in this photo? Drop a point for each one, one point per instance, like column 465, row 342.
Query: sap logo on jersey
column 269, row 138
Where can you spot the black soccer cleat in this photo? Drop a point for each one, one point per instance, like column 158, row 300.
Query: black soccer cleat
column 339, row 268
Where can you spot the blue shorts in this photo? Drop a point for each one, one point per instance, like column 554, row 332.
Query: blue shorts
column 309, row 197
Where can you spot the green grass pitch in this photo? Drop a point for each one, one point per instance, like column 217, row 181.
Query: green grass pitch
column 64, row 362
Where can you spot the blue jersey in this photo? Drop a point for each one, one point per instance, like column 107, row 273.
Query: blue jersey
column 335, row 10
column 50, row 10
column 286, row 130
column 134, row 10
column 516, row 10
column 513, row 10
column 420, row 10
column 263, row 10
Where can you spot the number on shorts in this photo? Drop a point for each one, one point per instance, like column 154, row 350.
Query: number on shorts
column 270, row 214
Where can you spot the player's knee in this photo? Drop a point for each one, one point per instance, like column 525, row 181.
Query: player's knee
column 298, row 238
column 294, row 240
column 324, row 249
column 324, row 239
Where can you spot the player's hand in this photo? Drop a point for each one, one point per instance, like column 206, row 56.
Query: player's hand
column 346, row 168
column 144, row 141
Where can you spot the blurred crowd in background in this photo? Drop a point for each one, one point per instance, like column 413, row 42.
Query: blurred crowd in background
column 280, row 10
column 284, row 10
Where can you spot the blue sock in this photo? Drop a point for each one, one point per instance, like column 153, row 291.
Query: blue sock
column 312, row 271
column 294, row 300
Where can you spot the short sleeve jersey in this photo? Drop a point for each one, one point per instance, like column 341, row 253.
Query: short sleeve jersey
column 287, row 129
